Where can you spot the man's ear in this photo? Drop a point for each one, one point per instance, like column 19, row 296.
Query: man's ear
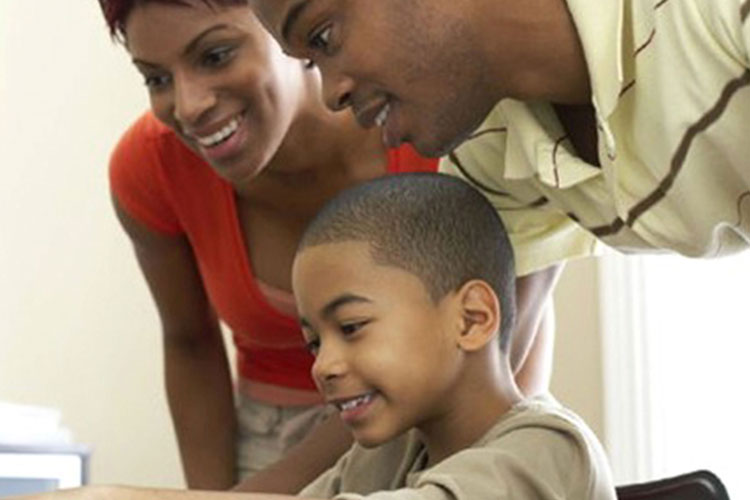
column 480, row 315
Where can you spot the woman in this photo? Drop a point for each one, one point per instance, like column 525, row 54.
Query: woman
column 214, row 187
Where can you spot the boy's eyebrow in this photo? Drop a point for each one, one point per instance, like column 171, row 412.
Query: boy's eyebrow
column 292, row 16
column 330, row 308
column 342, row 300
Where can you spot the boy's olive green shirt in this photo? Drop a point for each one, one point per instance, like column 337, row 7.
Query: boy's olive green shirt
column 671, row 91
column 538, row 451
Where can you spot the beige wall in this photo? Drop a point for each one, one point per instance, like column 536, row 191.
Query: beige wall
column 77, row 329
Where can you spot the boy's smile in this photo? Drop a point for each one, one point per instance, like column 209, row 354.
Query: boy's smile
column 385, row 352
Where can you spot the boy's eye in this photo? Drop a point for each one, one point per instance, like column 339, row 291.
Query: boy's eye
column 351, row 328
column 218, row 56
column 320, row 39
column 313, row 345
column 156, row 82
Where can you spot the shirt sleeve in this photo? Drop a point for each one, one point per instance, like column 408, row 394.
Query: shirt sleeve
column 540, row 235
column 136, row 180
column 745, row 24
column 365, row 471
column 537, row 463
column 327, row 484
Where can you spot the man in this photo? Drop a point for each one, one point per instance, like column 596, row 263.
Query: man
column 624, row 121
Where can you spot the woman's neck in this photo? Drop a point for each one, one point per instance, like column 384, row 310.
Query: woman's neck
column 320, row 152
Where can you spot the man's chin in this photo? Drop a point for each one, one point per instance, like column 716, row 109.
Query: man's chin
column 436, row 148
column 437, row 145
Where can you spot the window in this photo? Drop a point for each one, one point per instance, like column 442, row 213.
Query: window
column 677, row 364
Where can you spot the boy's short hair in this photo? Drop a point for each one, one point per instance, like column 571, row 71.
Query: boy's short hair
column 436, row 227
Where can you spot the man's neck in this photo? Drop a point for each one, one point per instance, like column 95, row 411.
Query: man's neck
column 534, row 50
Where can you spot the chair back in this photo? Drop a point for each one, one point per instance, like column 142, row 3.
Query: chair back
column 698, row 485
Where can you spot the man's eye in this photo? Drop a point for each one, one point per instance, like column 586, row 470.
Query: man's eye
column 218, row 56
column 156, row 82
column 313, row 346
column 320, row 39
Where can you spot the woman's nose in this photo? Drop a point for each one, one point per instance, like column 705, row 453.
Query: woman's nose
column 192, row 98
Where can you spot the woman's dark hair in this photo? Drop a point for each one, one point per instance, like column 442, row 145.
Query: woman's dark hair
column 116, row 12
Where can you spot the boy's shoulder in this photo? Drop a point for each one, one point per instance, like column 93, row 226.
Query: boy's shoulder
column 543, row 414
column 537, row 446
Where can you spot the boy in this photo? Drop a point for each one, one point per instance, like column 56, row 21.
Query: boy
column 404, row 286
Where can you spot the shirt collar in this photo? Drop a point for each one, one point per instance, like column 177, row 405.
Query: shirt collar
column 599, row 25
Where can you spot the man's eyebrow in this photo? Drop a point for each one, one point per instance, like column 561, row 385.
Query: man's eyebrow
column 292, row 16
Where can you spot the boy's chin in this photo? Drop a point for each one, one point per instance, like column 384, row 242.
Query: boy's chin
column 369, row 441
column 374, row 439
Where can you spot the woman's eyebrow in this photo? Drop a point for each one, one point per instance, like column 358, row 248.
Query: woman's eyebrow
column 190, row 47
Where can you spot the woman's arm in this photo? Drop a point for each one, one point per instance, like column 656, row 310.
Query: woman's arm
column 197, row 376
column 302, row 464
column 128, row 493
column 533, row 338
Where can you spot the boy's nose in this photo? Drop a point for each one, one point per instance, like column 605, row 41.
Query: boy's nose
column 329, row 365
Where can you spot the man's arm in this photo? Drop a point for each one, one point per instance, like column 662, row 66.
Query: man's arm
column 533, row 338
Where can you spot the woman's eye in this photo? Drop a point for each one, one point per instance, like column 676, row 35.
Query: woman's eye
column 156, row 82
column 320, row 39
column 219, row 56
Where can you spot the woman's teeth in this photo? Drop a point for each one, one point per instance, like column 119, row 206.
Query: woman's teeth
column 220, row 136
column 353, row 403
column 382, row 116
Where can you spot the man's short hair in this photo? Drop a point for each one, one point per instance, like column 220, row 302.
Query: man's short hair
column 434, row 226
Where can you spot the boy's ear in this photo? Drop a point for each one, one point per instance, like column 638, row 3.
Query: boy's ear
column 480, row 315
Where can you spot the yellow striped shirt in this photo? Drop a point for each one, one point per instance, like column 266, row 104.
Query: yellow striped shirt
column 671, row 90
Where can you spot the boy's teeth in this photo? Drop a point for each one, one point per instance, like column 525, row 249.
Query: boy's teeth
column 382, row 116
column 353, row 403
column 221, row 135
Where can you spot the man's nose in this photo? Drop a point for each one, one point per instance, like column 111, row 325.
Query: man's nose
column 337, row 89
column 192, row 98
